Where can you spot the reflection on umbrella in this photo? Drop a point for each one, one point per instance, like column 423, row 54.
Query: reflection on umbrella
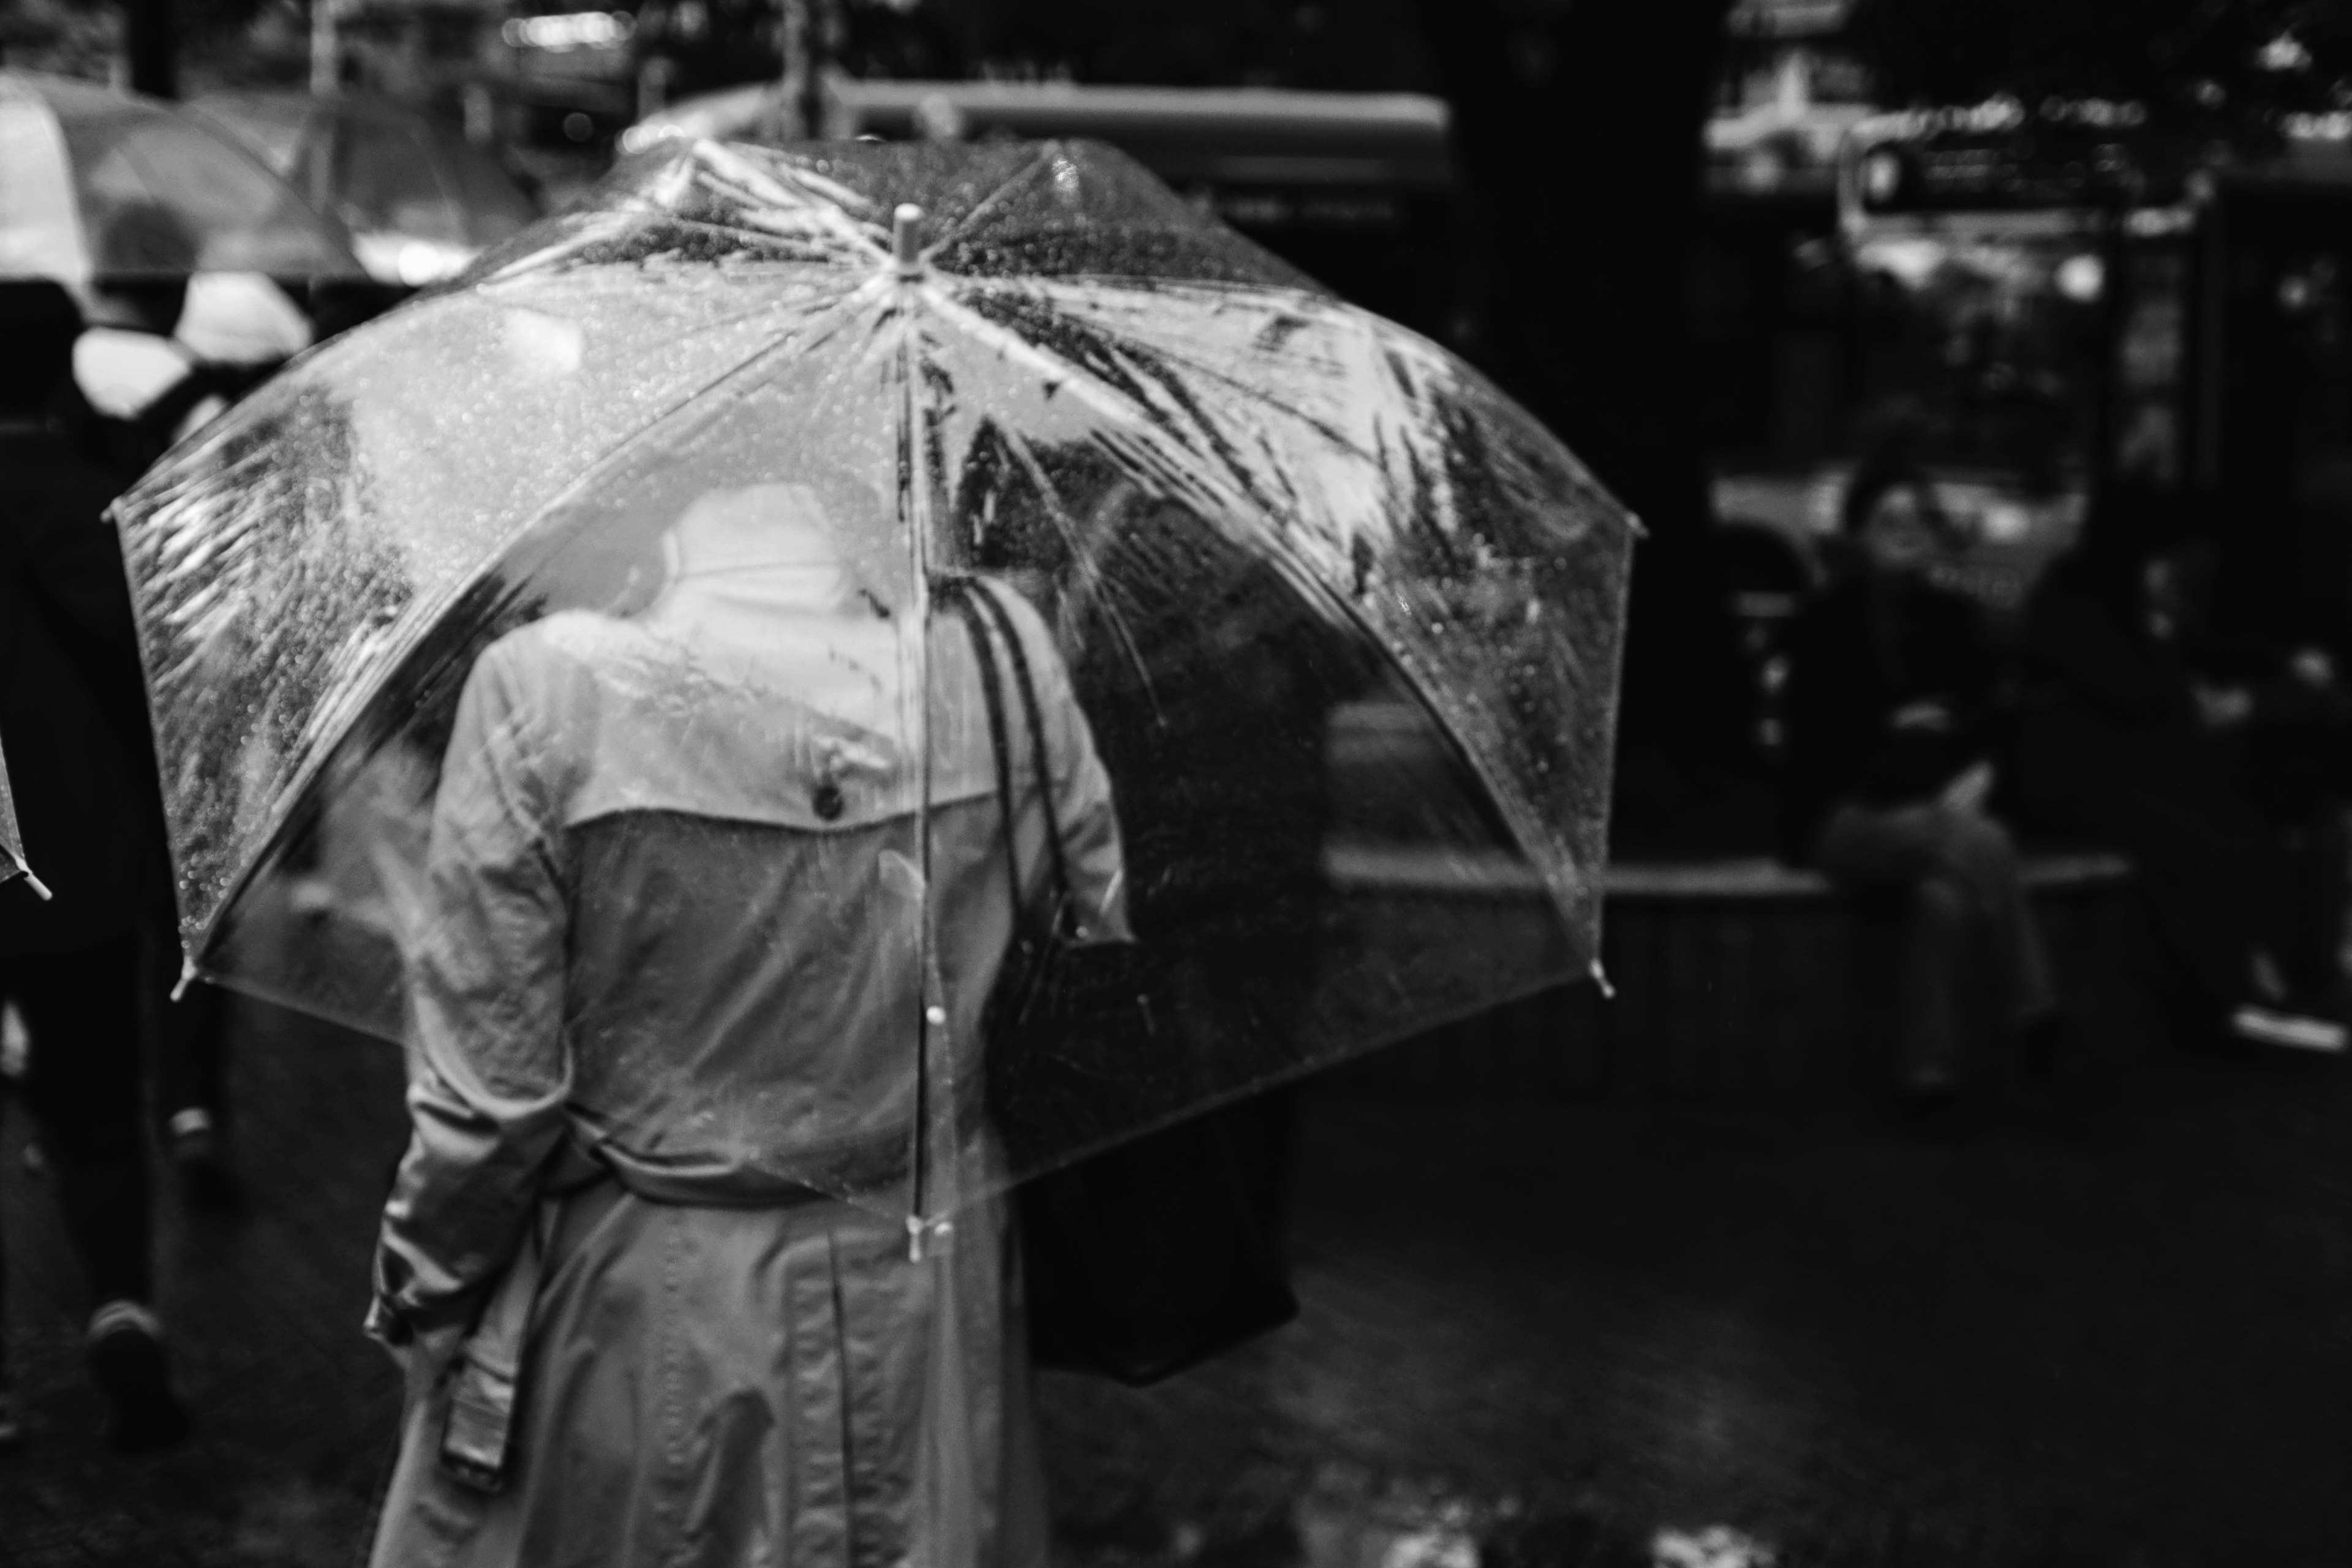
column 1344, row 624
column 420, row 201
column 12, row 839
column 99, row 185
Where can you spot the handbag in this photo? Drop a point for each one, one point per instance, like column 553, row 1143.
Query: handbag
column 1151, row 1256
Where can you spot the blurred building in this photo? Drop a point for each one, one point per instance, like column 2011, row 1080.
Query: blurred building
column 1789, row 92
column 1355, row 189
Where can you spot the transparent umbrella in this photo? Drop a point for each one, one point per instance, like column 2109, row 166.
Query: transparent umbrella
column 100, row 185
column 12, row 839
column 471, row 719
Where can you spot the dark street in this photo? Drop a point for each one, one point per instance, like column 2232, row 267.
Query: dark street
column 1544, row 1331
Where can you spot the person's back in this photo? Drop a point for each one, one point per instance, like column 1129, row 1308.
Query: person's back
column 720, row 839
column 716, row 893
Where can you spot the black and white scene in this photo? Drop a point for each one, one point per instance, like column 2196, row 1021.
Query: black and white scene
column 1175, row 784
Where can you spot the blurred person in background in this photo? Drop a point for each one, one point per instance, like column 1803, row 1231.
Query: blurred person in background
column 168, row 347
column 166, row 350
column 73, row 708
column 2142, row 730
column 1890, row 709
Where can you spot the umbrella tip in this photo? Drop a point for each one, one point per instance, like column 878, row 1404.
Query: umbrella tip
column 906, row 236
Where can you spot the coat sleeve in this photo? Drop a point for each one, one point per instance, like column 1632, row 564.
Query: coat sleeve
column 1081, row 785
column 489, row 1075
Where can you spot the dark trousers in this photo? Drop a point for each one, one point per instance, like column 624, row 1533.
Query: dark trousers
column 1969, row 929
column 2210, row 868
column 82, row 1086
column 190, row 1034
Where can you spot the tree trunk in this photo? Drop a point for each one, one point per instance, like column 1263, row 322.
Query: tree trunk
column 1579, row 127
column 150, row 48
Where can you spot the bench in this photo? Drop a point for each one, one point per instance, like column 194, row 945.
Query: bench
column 1732, row 978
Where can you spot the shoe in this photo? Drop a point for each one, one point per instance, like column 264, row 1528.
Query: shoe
column 2263, row 1024
column 125, row 1353
column 206, row 1183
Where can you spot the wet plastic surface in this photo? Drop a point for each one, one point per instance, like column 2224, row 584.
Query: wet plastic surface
column 101, row 184
column 12, row 838
column 1314, row 583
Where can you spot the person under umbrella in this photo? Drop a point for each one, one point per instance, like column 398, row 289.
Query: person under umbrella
column 73, row 707
column 654, row 964
column 344, row 583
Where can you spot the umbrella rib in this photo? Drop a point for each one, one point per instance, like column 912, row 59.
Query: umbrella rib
column 1258, row 394
column 1427, row 687
column 1092, row 579
column 297, row 787
column 1121, row 407
column 963, row 224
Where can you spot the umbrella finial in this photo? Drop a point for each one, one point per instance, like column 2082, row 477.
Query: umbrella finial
column 905, row 233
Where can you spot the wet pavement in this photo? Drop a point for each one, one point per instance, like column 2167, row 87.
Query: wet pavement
column 1532, row 1335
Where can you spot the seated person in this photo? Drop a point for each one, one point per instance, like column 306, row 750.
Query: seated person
column 1890, row 692
column 2266, row 682
column 2123, row 740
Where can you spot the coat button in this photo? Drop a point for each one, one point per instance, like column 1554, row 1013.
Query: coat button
column 828, row 800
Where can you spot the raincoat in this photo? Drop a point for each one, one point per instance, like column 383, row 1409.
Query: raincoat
column 663, row 975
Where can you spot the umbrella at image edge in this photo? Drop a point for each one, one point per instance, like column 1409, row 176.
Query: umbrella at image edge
column 1345, row 621
column 89, row 178
column 12, row 839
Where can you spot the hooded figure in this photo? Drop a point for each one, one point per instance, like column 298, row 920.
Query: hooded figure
column 677, row 923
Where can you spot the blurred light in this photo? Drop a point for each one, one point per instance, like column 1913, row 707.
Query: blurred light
column 2004, row 522
column 638, row 138
column 1909, row 261
column 1717, row 1546
column 2284, row 53
column 2333, row 126
column 422, row 261
column 570, row 30
column 2082, row 277
column 2100, row 113
column 939, row 119
column 1882, row 175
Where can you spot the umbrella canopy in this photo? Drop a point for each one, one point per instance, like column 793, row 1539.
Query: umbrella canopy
column 99, row 185
column 419, row 200
column 1344, row 621
column 12, row 838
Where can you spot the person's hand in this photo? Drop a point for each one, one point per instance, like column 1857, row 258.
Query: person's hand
column 2312, row 668
column 2222, row 707
column 426, row 1359
column 1968, row 794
